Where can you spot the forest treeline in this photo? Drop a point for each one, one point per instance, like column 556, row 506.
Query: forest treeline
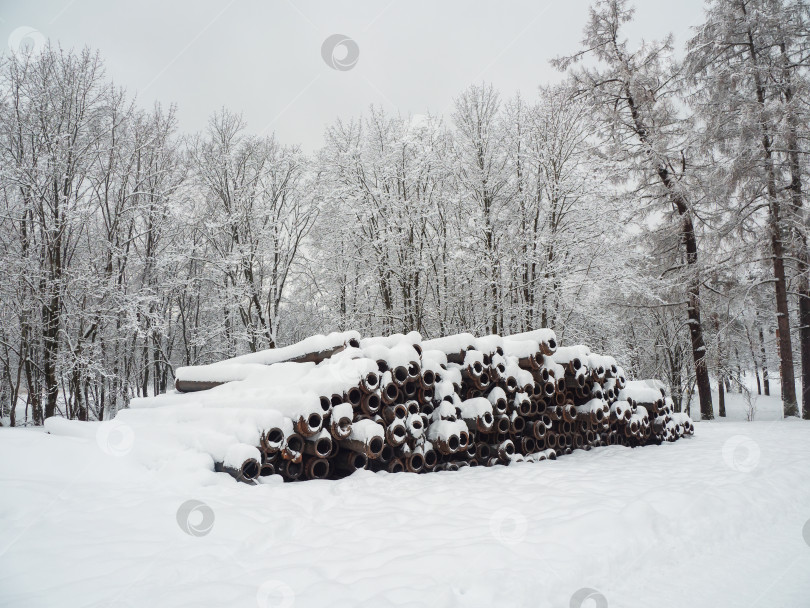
column 651, row 204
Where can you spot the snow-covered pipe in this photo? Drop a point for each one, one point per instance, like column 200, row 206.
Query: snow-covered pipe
column 505, row 450
column 320, row 445
column 309, row 425
column 546, row 338
column 367, row 437
column 497, row 398
column 242, row 462
column 311, row 350
column 340, row 421
column 516, row 424
column 528, row 353
column 396, row 433
column 293, row 447
column 454, row 347
column 272, row 440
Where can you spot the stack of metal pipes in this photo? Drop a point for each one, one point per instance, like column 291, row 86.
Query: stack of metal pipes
column 403, row 404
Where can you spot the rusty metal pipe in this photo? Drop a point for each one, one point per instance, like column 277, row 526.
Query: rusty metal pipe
column 414, row 462
column 370, row 382
column 372, row 448
column 447, row 446
column 247, row 471
column 410, row 388
column 396, row 466
column 354, row 396
column 320, row 446
column 396, row 434
column 309, row 425
column 291, row 470
column 428, row 378
column 397, row 411
column 412, row 407
column 370, row 404
column 390, row 393
column 505, row 450
column 431, row 458
column 482, row 451
column 539, row 429
column 317, row 468
column 351, row 461
column 272, row 440
column 400, row 375
column 293, row 448
column 340, row 428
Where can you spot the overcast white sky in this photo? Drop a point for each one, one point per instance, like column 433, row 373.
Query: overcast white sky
column 263, row 57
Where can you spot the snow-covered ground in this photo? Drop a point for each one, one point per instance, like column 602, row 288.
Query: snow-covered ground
column 719, row 519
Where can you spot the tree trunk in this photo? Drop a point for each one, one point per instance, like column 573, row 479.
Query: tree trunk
column 789, row 405
column 689, row 241
column 766, row 383
column 802, row 255
column 721, row 380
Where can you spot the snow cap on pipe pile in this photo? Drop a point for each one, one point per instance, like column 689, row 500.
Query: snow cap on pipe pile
column 446, row 410
column 445, row 435
column 489, row 345
column 641, row 391
column 313, row 349
column 453, row 346
column 413, row 337
column 527, row 352
column 444, row 390
column 242, row 461
column 523, row 377
column 477, row 413
column 339, row 374
column 498, row 399
column 370, row 434
column 572, row 356
column 435, row 357
column 545, row 337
